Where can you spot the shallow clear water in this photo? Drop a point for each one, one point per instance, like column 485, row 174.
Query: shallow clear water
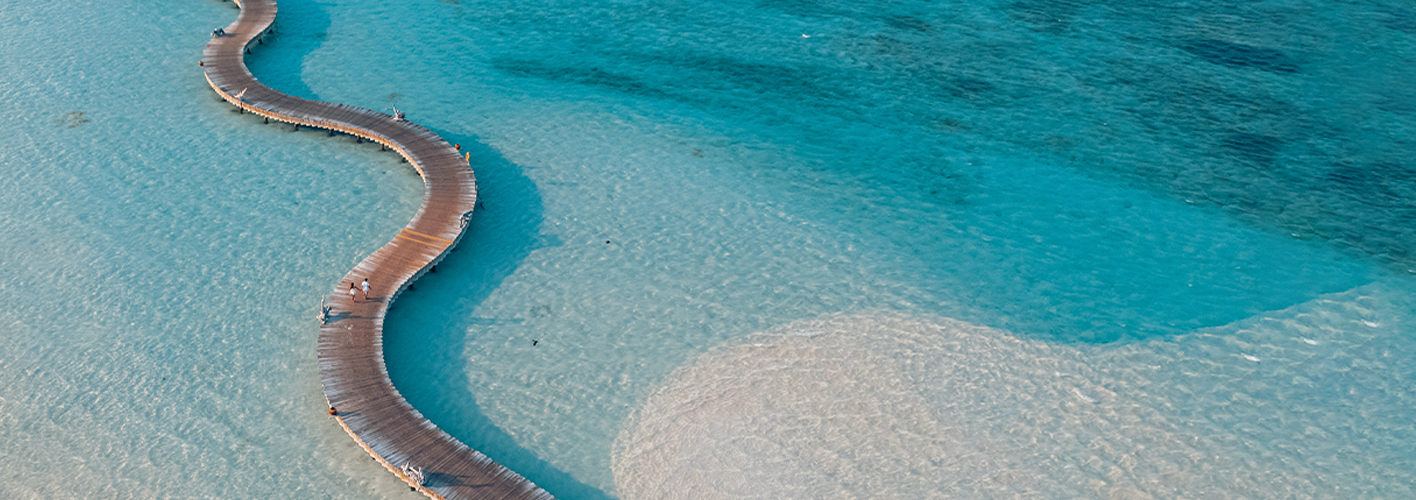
column 1096, row 186
column 162, row 262
column 1300, row 403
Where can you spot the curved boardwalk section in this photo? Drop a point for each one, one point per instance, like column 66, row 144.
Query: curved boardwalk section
column 351, row 340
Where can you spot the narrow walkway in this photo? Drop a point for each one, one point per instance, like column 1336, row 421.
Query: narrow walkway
column 351, row 361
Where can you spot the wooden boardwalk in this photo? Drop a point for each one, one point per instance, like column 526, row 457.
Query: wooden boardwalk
column 351, row 342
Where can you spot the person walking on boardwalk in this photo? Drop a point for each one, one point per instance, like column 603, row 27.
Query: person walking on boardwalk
column 353, row 293
column 365, row 286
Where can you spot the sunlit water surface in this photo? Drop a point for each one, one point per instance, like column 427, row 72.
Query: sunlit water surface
column 1056, row 249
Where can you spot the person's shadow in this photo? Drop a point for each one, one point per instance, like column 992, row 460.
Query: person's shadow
column 425, row 331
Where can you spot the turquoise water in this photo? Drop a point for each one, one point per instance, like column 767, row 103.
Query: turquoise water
column 981, row 224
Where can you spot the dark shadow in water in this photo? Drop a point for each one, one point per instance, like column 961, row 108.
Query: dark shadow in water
column 1398, row 19
column 1386, row 185
column 299, row 31
column 594, row 77
column 1240, row 55
column 427, row 330
column 719, row 75
column 1256, row 148
column 909, row 23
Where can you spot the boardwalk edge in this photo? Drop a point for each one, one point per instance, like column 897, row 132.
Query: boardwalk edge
column 515, row 486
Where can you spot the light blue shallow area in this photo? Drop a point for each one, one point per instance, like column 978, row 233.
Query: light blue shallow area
column 162, row 263
column 660, row 180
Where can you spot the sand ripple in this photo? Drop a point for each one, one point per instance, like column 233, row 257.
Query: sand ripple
column 886, row 406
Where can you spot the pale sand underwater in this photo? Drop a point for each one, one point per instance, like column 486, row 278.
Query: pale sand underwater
column 883, row 405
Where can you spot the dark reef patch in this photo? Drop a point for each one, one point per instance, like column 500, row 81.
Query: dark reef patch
column 594, row 77
column 965, row 87
column 909, row 23
column 1388, row 185
column 720, row 76
column 1399, row 20
column 726, row 73
column 1240, row 56
column 1256, row 148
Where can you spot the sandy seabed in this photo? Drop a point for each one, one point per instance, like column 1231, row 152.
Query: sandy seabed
column 881, row 405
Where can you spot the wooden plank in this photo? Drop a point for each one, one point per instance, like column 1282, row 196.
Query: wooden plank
column 350, row 346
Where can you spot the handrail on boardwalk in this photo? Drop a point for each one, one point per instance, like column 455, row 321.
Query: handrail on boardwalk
column 361, row 397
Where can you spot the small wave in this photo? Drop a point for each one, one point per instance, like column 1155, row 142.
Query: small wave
column 1083, row 396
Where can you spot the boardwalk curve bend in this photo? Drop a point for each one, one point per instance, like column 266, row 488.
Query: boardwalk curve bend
column 352, row 369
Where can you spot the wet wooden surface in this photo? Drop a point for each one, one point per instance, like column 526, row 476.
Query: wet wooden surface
column 351, row 361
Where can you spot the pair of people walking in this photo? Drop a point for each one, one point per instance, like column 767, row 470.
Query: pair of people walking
column 353, row 292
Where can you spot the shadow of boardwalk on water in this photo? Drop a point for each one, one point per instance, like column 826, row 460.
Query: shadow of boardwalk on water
column 300, row 30
column 426, row 331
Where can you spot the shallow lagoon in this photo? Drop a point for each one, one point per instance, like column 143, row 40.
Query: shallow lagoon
column 1120, row 183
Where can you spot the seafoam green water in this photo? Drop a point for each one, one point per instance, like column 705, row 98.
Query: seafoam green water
column 991, row 220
